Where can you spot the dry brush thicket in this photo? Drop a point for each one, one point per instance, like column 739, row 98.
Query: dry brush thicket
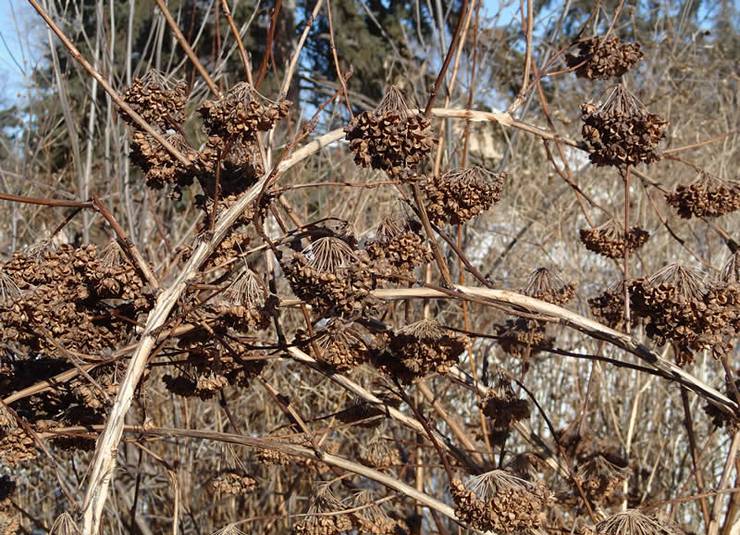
column 228, row 314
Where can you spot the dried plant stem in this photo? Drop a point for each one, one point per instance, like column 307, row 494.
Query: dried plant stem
column 713, row 528
column 578, row 322
column 172, row 23
column 239, row 41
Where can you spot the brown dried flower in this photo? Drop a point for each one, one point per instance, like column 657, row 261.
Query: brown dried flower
column 706, row 196
column 459, row 195
column 620, row 131
column 601, row 58
column 499, row 501
column 611, row 241
column 391, row 138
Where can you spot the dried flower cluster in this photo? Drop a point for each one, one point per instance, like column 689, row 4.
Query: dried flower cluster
column 380, row 454
column 391, row 138
column 601, row 58
column 620, row 131
column 229, row 161
column 501, row 502
column 706, row 196
column 459, row 195
column 611, row 241
column 330, row 275
column 399, row 246
column 608, row 306
column 341, row 345
column 504, row 408
column 600, row 478
column 524, row 337
column 634, row 521
column 679, row 308
column 420, row 349
column 232, row 483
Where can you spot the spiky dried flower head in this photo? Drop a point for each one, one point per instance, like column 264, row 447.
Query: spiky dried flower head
column 239, row 114
column 398, row 247
column 380, row 454
column 461, row 194
column 608, row 306
column 621, row 131
column 545, row 285
column 673, row 301
column 601, row 58
column 706, row 196
column 331, row 276
column 9, row 290
column 500, row 501
column 244, row 305
column 503, row 406
column 391, row 138
column 160, row 167
column 635, row 522
column 64, row 525
column 232, row 482
column 159, row 100
column 419, row 349
column 611, row 241
column 323, row 516
column 341, row 345
column 600, row 478
column 370, row 518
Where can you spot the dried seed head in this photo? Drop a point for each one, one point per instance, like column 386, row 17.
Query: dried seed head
column 621, row 132
column 9, row 290
column 398, row 247
column 461, row 194
column 329, row 254
column 391, row 138
column 341, row 345
column 161, row 102
column 318, row 522
column 232, row 483
column 602, row 58
column 380, row 454
column 609, row 306
column 600, row 478
column 501, row 502
column 706, row 196
column 610, row 240
column 503, row 407
column 64, row 525
column 545, row 285
column 419, row 349
column 634, row 522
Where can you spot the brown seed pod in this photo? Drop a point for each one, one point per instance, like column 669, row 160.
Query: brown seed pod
column 601, row 58
column 461, row 194
column 674, row 304
column 330, row 275
column 16, row 446
column 380, row 454
column 620, row 131
column 611, row 241
column 341, row 345
column 245, row 305
column 502, row 405
column 706, row 196
column 240, row 114
column 545, row 285
column 398, row 247
column 161, row 102
column 600, row 478
column 633, row 521
column 232, row 482
column 370, row 518
column 501, row 502
column 609, row 306
column 419, row 349
column 160, row 167
column 315, row 523
column 392, row 138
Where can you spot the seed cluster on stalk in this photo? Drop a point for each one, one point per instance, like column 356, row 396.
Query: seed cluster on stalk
column 501, row 502
column 419, row 349
column 523, row 337
column 706, row 196
column 391, row 138
column 611, row 241
column 232, row 482
column 461, row 194
column 504, row 408
column 602, row 58
column 620, row 131
column 680, row 309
